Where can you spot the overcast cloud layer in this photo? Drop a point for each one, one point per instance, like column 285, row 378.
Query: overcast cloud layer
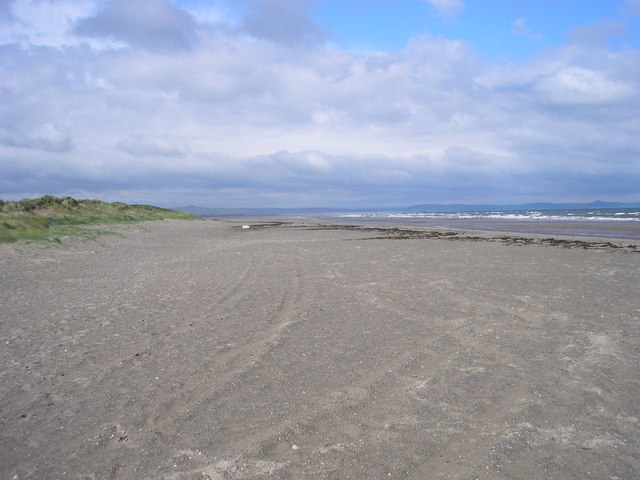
column 253, row 104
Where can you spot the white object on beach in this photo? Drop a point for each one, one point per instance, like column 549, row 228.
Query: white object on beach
column 246, row 226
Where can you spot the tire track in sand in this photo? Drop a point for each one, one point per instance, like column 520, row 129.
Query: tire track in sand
column 197, row 400
column 149, row 417
column 296, row 296
column 396, row 379
column 372, row 387
column 232, row 295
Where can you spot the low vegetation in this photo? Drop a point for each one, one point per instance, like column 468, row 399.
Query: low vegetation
column 52, row 217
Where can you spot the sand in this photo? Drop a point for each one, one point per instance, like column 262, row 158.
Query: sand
column 201, row 350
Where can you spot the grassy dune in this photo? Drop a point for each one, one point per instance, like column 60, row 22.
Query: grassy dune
column 51, row 217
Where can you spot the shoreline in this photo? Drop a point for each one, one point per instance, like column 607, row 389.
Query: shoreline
column 598, row 228
column 407, row 230
column 611, row 229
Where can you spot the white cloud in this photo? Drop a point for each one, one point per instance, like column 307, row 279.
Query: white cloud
column 447, row 8
column 234, row 113
column 43, row 22
column 209, row 12
column 520, row 28
column 577, row 85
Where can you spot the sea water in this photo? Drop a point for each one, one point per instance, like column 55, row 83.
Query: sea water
column 621, row 223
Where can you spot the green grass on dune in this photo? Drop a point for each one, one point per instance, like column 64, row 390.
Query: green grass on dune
column 51, row 217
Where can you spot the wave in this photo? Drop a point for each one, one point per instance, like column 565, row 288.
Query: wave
column 612, row 216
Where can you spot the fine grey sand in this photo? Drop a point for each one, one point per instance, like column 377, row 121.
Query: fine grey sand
column 201, row 350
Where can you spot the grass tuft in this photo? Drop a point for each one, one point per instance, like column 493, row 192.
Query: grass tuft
column 50, row 217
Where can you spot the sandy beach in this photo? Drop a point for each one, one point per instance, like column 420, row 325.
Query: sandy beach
column 203, row 351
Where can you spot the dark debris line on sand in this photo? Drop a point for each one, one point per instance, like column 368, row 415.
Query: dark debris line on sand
column 395, row 233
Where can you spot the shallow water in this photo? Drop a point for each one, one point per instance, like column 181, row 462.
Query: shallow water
column 608, row 223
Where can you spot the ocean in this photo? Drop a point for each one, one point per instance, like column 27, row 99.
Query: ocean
column 622, row 223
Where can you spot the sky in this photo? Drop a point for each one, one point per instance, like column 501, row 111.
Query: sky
column 333, row 103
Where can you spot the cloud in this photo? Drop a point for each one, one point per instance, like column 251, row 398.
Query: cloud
column 631, row 8
column 520, row 28
column 283, row 21
column 47, row 137
column 5, row 11
column 152, row 147
column 213, row 12
column 42, row 22
column 577, row 85
column 448, row 8
column 225, row 111
column 154, row 25
column 330, row 179
column 599, row 34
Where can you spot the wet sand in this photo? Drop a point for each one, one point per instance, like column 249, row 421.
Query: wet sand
column 201, row 350
column 601, row 228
